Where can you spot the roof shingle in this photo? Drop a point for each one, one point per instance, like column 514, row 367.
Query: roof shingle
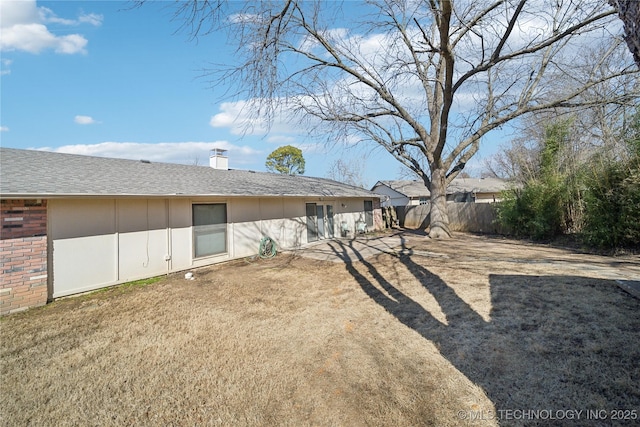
column 30, row 173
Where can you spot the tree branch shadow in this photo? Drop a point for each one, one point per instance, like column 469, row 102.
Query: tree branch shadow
column 552, row 342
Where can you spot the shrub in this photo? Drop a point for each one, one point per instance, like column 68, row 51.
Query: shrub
column 612, row 206
column 536, row 211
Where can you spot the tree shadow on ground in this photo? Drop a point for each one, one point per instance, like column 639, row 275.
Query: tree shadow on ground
column 560, row 343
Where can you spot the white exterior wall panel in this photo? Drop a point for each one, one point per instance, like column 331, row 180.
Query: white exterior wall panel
column 84, row 245
column 101, row 242
column 244, row 227
column 83, row 264
column 180, row 235
column 142, row 238
column 142, row 254
column 246, row 238
column 295, row 228
column 391, row 197
column 272, row 219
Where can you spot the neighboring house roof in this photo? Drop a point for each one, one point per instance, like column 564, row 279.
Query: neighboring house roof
column 30, row 173
column 477, row 185
column 416, row 189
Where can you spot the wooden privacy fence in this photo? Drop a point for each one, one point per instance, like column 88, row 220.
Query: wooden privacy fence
column 473, row 217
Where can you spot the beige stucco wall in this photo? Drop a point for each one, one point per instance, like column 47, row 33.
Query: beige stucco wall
column 84, row 245
column 101, row 242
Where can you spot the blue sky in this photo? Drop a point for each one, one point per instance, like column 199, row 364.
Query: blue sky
column 103, row 78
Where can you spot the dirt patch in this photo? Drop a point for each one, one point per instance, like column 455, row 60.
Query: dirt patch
column 429, row 333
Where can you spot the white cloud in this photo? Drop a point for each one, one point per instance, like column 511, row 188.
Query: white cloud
column 34, row 38
column 24, row 27
column 241, row 118
column 48, row 16
column 91, row 18
column 4, row 129
column 84, row 120
column 164, row 152
column 232, row 116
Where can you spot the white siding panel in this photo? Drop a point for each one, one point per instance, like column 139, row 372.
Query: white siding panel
column 271, row 209
column 272, row 219
column 180, row 235
column 181, row 248
column 142, row 254
column 83, row 263
column 294, row 208
column 84, row 244
column 141, row 214
column 246, row 239
column 274, row 229
column 394, row 198
column 295, row 227
column 102, row 242
column 243, row 210
column 295, row 233
column 81, row 218
column 143, row 238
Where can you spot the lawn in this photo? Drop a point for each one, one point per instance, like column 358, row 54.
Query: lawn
column 473, row 331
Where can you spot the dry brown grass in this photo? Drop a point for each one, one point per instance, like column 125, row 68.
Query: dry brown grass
column 473, row 325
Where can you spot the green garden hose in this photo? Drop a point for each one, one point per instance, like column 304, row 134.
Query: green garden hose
column 267, row 248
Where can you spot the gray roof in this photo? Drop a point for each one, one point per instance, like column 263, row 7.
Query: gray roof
column 30, row 173
column 414, row 189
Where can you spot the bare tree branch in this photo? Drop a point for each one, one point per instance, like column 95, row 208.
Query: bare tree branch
column 425, row 80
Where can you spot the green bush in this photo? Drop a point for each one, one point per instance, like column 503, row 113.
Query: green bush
column 536, row 211
column 612, row 196
column 546, row 205
column 601, row 199
column 612, row 207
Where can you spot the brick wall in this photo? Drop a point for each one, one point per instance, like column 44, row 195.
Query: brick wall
column 23, row 254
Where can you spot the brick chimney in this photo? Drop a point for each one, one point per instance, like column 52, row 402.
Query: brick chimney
column 218, row 159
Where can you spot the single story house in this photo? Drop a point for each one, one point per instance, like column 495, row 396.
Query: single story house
column 412, row 193
column 71, row 224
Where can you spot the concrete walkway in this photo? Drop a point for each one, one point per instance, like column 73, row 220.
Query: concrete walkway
column 351, row 250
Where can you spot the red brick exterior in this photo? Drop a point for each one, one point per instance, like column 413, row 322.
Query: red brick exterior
column 23, row 255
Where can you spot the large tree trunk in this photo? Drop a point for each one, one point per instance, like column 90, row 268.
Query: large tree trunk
column 439, row 224
column 629, row 12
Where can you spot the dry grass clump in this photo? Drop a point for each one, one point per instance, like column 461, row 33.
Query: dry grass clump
column 392, row 340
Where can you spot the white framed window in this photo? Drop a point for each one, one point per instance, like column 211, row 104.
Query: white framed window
column 209, row 229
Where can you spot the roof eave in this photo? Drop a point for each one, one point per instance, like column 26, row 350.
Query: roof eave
column 13, row 196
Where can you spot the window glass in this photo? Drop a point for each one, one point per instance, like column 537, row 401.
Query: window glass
column 368, row 212
column 209, row 229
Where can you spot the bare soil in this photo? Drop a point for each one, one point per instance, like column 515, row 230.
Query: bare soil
column 467, row 331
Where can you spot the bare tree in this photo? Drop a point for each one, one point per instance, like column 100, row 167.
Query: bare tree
column 516, row 161
column 347, row 171
column 593, row 131
column 425, row 80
